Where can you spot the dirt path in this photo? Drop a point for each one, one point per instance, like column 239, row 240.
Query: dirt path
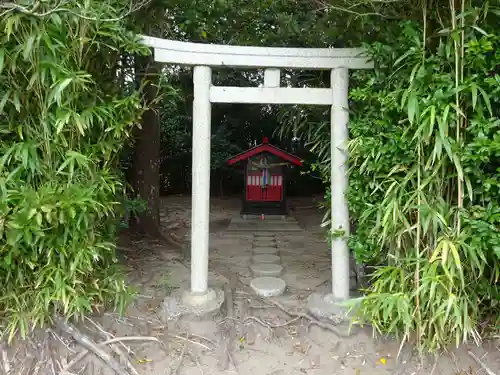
column 266, row 340
column 293, row 348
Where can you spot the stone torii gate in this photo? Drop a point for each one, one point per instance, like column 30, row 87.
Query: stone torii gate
column 205, row 56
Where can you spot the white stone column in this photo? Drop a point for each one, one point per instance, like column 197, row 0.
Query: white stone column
column 200, row 210
column 339, row 181
column 272, row 77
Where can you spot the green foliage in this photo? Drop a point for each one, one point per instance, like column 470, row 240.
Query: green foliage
column 424, row 167
column 260, row 22
column 64, row 117
column 424, row 185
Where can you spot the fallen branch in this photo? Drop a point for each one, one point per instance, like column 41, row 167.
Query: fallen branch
column 481, row 363
column 83, row 353
column 91, row 346
column 193, row 342
column 123, row 357
column 181, row 359
column 161, row 327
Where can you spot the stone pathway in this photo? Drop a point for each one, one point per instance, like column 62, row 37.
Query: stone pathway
column 276, row 242
column 266, row 265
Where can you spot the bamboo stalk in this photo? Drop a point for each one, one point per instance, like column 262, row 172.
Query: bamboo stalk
column 419, row 202
column 458, row 78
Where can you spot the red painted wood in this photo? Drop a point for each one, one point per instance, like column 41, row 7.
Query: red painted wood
column 271, row 193
column 265, row 148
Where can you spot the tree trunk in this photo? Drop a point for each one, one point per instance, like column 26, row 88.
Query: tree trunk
column 145, row 176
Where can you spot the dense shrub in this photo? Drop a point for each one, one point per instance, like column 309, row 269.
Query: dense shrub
column 424, row 175
column 425, row 183
column 64, row 117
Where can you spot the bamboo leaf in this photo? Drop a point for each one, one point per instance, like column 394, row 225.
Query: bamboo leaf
column 477, row 28
column 437, row 252
column 2, row 59
column 456, row 256
column 5, row 98
column 55, row 94
column 458, row 166
column 28, row 47
column 473, row 88
column 403, row 57
column 412, row 106
column 414, row 72
column 486, row 100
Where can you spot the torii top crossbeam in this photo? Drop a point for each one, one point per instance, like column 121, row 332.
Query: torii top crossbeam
column 185, row 53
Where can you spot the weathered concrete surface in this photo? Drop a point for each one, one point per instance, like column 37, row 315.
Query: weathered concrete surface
column 325, row 307
column 267, row 217
column 265, row 258
column 191, row 306
column 260, row 234
column 265, row 238
column 269, row 225
column 265, row 250
column 266, row 269
column 260, row 243
column 268, row 286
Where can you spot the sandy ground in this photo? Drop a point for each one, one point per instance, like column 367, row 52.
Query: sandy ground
column 264, row 340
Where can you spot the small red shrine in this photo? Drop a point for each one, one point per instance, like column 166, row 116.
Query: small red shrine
column 265, row 178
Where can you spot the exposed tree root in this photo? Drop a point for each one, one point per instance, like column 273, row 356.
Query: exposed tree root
column 481, row 363
column 83, row 353
column 295, row 315
column 228, row 330
column 171, row 240
column 260, row 321
column 123, row 356
column 312, row 320
column 175, row 370
column 5, row 359
column 90, row 346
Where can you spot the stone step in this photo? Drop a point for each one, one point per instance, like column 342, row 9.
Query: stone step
column 266, row 270
column 273, row 218
column 257, row 235
column 271, row 243
column 265, row 250
column 268, row 226
column 266, row 258
column 278, row 229
column 265, row 238
column 264, row 223
column 268, row 286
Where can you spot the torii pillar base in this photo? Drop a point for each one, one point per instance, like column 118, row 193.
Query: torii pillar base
column 191, row 306
column 326, row 307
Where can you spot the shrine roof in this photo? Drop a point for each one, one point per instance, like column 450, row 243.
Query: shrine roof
column 265, row 147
